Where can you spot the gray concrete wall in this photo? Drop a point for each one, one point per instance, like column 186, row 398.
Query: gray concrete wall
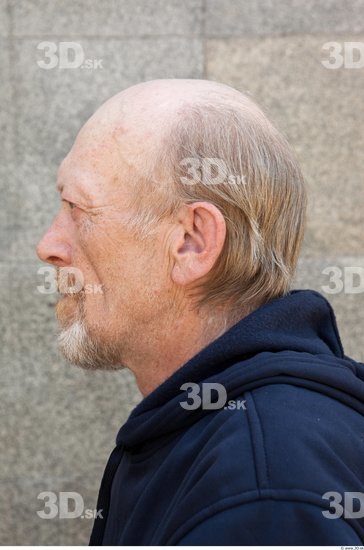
column 58, row 423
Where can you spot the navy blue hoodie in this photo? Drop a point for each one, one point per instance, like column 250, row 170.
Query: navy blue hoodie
column 256, row 474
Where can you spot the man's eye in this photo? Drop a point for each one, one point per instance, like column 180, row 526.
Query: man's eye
column 71, row 205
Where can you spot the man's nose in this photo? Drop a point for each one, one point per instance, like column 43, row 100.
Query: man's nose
column 53, row 248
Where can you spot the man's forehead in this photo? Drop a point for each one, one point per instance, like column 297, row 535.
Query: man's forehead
column 88, row 165
column 113, row 144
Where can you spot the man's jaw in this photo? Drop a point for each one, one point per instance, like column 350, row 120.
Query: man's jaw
column 76, row 342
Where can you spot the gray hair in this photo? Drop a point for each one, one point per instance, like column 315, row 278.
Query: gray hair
column 262, row 196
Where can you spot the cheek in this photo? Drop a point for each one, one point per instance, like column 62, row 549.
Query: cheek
column 92, row 257
column 129, row 270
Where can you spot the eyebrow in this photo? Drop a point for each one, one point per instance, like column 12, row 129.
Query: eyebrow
column 84, row 195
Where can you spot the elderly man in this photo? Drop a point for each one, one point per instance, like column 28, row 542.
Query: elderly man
column 187, row 206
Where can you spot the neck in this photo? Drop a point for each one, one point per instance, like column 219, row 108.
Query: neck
column 161, row 351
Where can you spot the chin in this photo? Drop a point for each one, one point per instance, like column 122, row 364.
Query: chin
column 82, row 350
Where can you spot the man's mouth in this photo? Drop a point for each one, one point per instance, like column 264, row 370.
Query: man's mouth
column 79, row 294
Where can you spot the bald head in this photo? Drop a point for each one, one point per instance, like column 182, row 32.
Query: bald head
column 152, row 104
column 138, row 122
column 137, row 118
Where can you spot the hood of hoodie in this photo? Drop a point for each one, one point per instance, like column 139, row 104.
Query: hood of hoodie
column 300, row 327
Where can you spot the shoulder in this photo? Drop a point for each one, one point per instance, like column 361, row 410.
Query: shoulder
column 271, row 464
column 284, row 437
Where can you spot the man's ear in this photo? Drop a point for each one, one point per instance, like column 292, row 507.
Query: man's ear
column 197, row 242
